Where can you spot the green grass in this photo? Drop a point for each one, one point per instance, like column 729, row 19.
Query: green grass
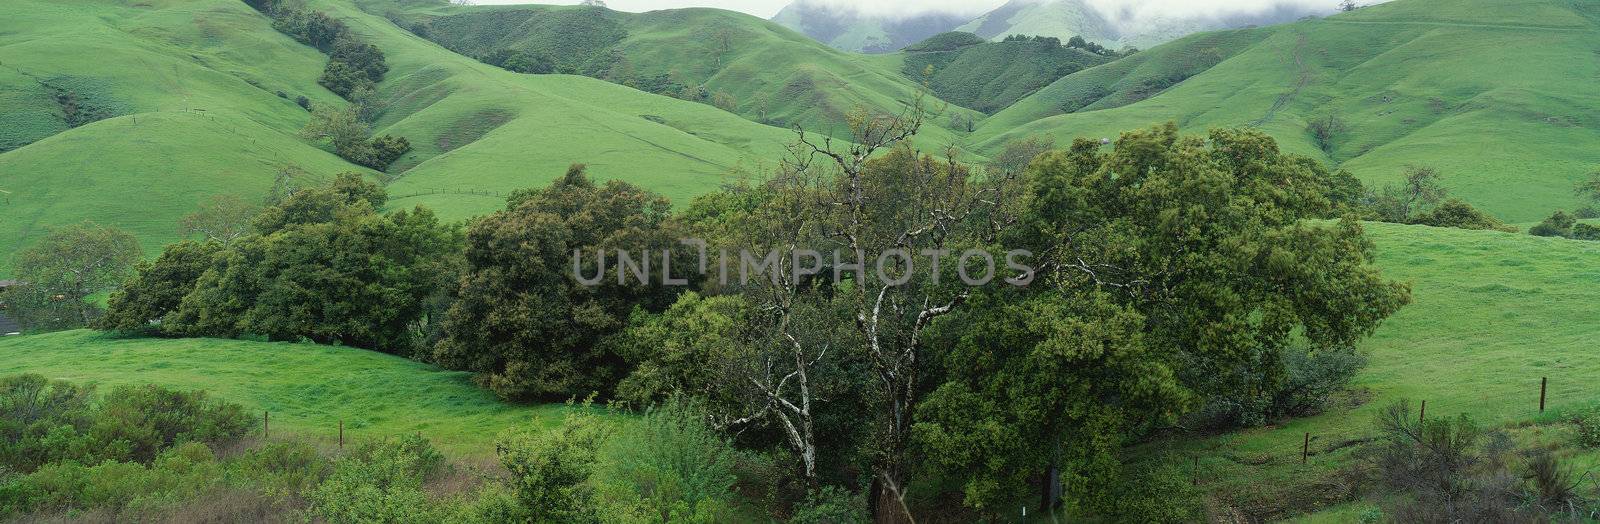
column 990, row 76
column 1493, row 313
column 1488, row 91
column 772, row 74
column 191, row 89
column 307, row 388
column 1061, row 18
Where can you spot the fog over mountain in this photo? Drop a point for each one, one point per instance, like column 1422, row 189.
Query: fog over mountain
column 888, row 25
column 898, row 9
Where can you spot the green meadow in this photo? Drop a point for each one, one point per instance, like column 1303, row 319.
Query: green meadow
column 1492, row 315
column 1487, row 91
column 306, row 389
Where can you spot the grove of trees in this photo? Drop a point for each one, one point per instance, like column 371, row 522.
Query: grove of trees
column 1164, row 281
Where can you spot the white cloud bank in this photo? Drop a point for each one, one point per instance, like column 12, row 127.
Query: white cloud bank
column 1124, row 11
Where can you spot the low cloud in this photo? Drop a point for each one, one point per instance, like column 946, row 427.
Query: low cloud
column 1123, row 12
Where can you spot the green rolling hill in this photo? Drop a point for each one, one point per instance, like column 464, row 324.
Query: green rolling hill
column 758, row 69
column 176, row 100
column 1484, row 90
column 1058, row 18
column 308, row 389
column 851, row 30
column 131, row 113
column 990, row 76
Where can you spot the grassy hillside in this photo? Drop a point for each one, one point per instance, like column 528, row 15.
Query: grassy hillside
column 989, row 76
column 1492, row 314
column 757, row 69
column 1128, row 80
column 849, row 30
column 175, row 100
column 307, row 388
column 479, row 129
column 130, row 113
column 1485, row 90
column 1058, row 18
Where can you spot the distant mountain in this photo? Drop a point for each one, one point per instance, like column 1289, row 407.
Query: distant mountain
column 1068, row 18
column 1058, row 18
column 989, row 76
column 850, row 30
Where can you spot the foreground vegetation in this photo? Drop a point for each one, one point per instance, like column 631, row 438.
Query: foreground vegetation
column 151, row 453
column 1167, row 314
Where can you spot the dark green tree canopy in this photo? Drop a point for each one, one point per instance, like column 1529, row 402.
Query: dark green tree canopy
column 520, row 319
column 159, row 287
column 1176, row 270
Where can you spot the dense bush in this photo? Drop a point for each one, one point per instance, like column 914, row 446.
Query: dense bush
column 831, row 505
column 522, row 322
column 326, row 267
column 380, row 481
column 128, row 489
column 1588, row 422
column 353, row 65
column 49, row 421
column 1454, row 471
column 61, row 272
column 344, row 128
column 520, row 61
column 1458, row 214
column 158, row 288
column 670, row 466
column 1559, row 224
column 551, row 469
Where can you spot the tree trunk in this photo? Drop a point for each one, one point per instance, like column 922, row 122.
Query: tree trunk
column 1050, row 494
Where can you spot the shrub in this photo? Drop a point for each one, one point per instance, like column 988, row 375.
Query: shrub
column 159, row 287
column 671, row 466
column 282, row 469
column 384, row 150
column 1458, row 214
column 1160, row 491
column 42, row 420
column 494, row 503
column 831, row 505
column 1311, row 377
column 380, row 482
column 147, row 419
column 133, row 489
column 1558, row 225
column 303, row 102
column 1585, row 232
column 1326, row 130
column 1588, row 422
column 550, row 469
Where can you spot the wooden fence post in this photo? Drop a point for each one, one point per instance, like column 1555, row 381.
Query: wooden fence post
column 265, row 424
column 1543, row 382
column 1422, row 414
column 341, row 433
column 1305, row 451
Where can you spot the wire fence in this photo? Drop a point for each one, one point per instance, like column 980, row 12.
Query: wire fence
column 446, row 191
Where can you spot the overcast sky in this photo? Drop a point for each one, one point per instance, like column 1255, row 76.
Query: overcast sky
column 767, row 8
